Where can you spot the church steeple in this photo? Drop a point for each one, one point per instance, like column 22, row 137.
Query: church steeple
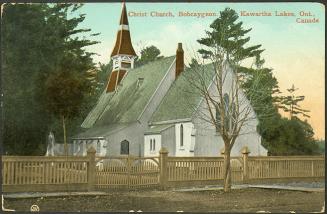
column 123, row 53
column 123, row 43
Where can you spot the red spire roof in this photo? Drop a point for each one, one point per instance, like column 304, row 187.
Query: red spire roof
column 123, row 17
column 123, row 43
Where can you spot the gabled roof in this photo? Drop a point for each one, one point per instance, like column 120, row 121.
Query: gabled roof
column 183, row 98
column 127, row 104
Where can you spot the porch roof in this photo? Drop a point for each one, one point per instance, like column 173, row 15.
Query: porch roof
column 158, row 129
column 100, row 132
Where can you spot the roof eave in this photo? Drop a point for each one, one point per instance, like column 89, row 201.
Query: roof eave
column 171, row 121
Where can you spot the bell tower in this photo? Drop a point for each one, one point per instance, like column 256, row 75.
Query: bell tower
column 123, row 54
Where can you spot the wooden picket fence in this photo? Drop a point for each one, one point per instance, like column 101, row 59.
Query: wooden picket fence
column 43, row 173
column 39, row 173
column 285, row 167
column 127, row 172
column 201, row 168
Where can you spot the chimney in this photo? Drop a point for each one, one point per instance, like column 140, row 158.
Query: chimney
column 179, row 60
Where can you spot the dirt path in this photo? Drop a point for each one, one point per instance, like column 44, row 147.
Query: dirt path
column 243, row 200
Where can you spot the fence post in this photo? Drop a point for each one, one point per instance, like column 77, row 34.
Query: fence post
column 222, row 151
column 245, row 154
column 163, row 176
column 312, row 169
column 91, row 169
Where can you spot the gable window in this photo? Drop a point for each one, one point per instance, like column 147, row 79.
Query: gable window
column 124, row 147
column 181, row 136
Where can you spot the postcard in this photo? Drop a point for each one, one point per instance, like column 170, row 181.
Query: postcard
column 163, row 107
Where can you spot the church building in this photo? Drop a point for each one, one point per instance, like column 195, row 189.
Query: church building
column 145, row 108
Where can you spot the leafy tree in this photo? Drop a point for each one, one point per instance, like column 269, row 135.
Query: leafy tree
column 66, row 90
column 194, row 63
column 289, row 137
column 321, row 146
column 226, row 42
column 148, row 54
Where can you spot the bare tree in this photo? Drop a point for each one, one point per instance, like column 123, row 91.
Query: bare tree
column 227, row 108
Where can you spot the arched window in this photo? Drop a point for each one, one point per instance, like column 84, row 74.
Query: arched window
column 217, row 119
column 154, row 145
column 226, row 101
column 227, row 113
column 150, row 144
column 98, row 146
column 234, row 116
column 124, row 147
column 182, row 136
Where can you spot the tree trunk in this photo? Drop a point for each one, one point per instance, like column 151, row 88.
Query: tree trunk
column 227, row 171
column 65, row 138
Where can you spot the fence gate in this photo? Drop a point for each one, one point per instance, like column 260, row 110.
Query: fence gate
column 127, row 172
column 237, row 169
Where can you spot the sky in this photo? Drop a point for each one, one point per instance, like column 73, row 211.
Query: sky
column 295, row 51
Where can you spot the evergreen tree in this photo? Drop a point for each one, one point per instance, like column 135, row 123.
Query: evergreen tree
column 226, row 42
column 290, row 103
column 280, row 136
column 103, row 75
column 36, row 39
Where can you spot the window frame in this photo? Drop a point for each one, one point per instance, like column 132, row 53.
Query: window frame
column 181, row 136
column 122, row 152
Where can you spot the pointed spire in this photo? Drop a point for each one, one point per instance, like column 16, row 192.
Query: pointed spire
column 123, row 17
column 123, row 43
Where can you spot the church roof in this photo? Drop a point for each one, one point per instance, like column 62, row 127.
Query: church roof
column 182, row 98
column 95, row 113
column 127, row 104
